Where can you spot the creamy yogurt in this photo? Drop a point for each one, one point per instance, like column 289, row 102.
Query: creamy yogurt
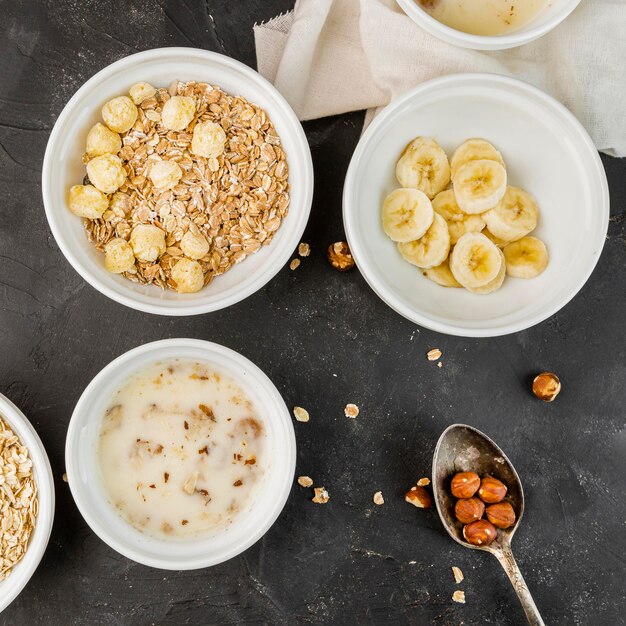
column 181, row 450
column 484, row 17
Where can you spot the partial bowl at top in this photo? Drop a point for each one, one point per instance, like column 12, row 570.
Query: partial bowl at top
column 553, row 14
column 42, row 473
column 63, row 168
column 548, row 153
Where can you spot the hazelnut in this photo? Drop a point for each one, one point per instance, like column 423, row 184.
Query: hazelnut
column 188, row 276
column 468, row 510
column 501, row 514
column 339, row 256
column 491, row 490
column 209, row 140
column 546, row 386
column 465, row 484
column 419, row 497
column 87, row 201
column 480, row 533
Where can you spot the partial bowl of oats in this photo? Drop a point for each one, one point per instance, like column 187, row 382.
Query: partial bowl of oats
column 26, row 501
column 180, row 454
column 177, row 181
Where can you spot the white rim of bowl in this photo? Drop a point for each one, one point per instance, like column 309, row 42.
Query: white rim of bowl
column 280, row 498
column 360, row 255
column 482, row 42
column 25, row 569
column 188, row 309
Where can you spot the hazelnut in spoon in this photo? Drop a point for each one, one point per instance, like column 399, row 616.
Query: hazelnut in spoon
column 466, row 454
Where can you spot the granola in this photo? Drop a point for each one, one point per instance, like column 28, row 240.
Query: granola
column 205, row 168
column 18, row 500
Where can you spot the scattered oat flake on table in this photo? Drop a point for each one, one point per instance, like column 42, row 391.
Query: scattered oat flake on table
column 321, row 495
column 304, row 249
column 422, row 482
column 459, row 596
column 440, row 364
column 434, row 354
column 294, row 264
column 378, row 498
column 305, row 481
column 302, row 415
column 458, row 574
column 64, row 477
column 351, row 410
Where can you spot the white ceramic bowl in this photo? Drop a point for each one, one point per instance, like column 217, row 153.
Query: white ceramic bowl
column 548, row 19
column 63, row 168
column 81, row 459
column 13, row 585
column 547, row 152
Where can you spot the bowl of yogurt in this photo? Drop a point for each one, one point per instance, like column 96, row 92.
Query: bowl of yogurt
column 488, row 24
column 180, row 454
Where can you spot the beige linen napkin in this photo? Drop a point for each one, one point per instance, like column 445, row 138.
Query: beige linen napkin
column 331, row 56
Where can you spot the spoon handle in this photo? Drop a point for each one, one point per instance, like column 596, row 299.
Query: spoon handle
column 505, row 556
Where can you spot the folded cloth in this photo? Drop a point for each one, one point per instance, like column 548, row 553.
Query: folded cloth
column 332, row 56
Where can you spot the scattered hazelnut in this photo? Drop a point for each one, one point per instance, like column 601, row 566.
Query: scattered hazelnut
column 480, row 533
column 305, row 481
column 419, row 497
column 468, row 510
column 501, row 514
column 422, row 482
column 546, row 386
column 491, row 490
column 465, row 484
column 339, row 256
column 378, row 498
column 321, row 495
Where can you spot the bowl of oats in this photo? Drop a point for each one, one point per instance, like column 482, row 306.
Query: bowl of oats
column 26, row 501
column 177, row 181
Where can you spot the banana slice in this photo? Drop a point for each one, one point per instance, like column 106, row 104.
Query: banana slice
column 479, row 185
column 514, row 216
column 475, row 261
column 424, row 165
column 526, row 258
column 494, row 284
column 459, row 223
column 499, row 242
column 442, row 275
column 407, row 214
column 474, row 150
column 431, row 249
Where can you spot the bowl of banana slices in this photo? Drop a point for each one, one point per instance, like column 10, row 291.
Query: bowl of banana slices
column 476, row 205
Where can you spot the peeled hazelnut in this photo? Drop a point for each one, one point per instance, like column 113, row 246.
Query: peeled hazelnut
column 102, row 140
column 140, row 91
column 178, row 112
column 419, row 497
column 546, row 386
column 118, row 256
column 501, row 514
column 209, row 140
column 106, row 173
column 87, row 201
column 188, row 276
column 119, row 114
column 339, row 256
column 480, row 533
column 468, row 510
column 491, row 490
column 465, row 484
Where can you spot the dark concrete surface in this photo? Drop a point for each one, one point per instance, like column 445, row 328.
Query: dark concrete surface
column 348, row 562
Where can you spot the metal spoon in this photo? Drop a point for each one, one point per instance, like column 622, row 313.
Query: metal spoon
column 462, row 448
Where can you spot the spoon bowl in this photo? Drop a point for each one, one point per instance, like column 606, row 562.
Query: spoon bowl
column 462, row 448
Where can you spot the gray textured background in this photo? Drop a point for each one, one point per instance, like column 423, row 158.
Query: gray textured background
column 347, row 562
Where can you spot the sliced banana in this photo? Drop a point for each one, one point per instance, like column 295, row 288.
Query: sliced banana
column 475, row 261
column 479, row 185
column 496, row 283
column 459, row 223
column 499, row 242
column 442, row 275
column 424, row 165
column 526, row 258
column 474, row 150
column 514, row 216
column 407, row 214
column 431, row 249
